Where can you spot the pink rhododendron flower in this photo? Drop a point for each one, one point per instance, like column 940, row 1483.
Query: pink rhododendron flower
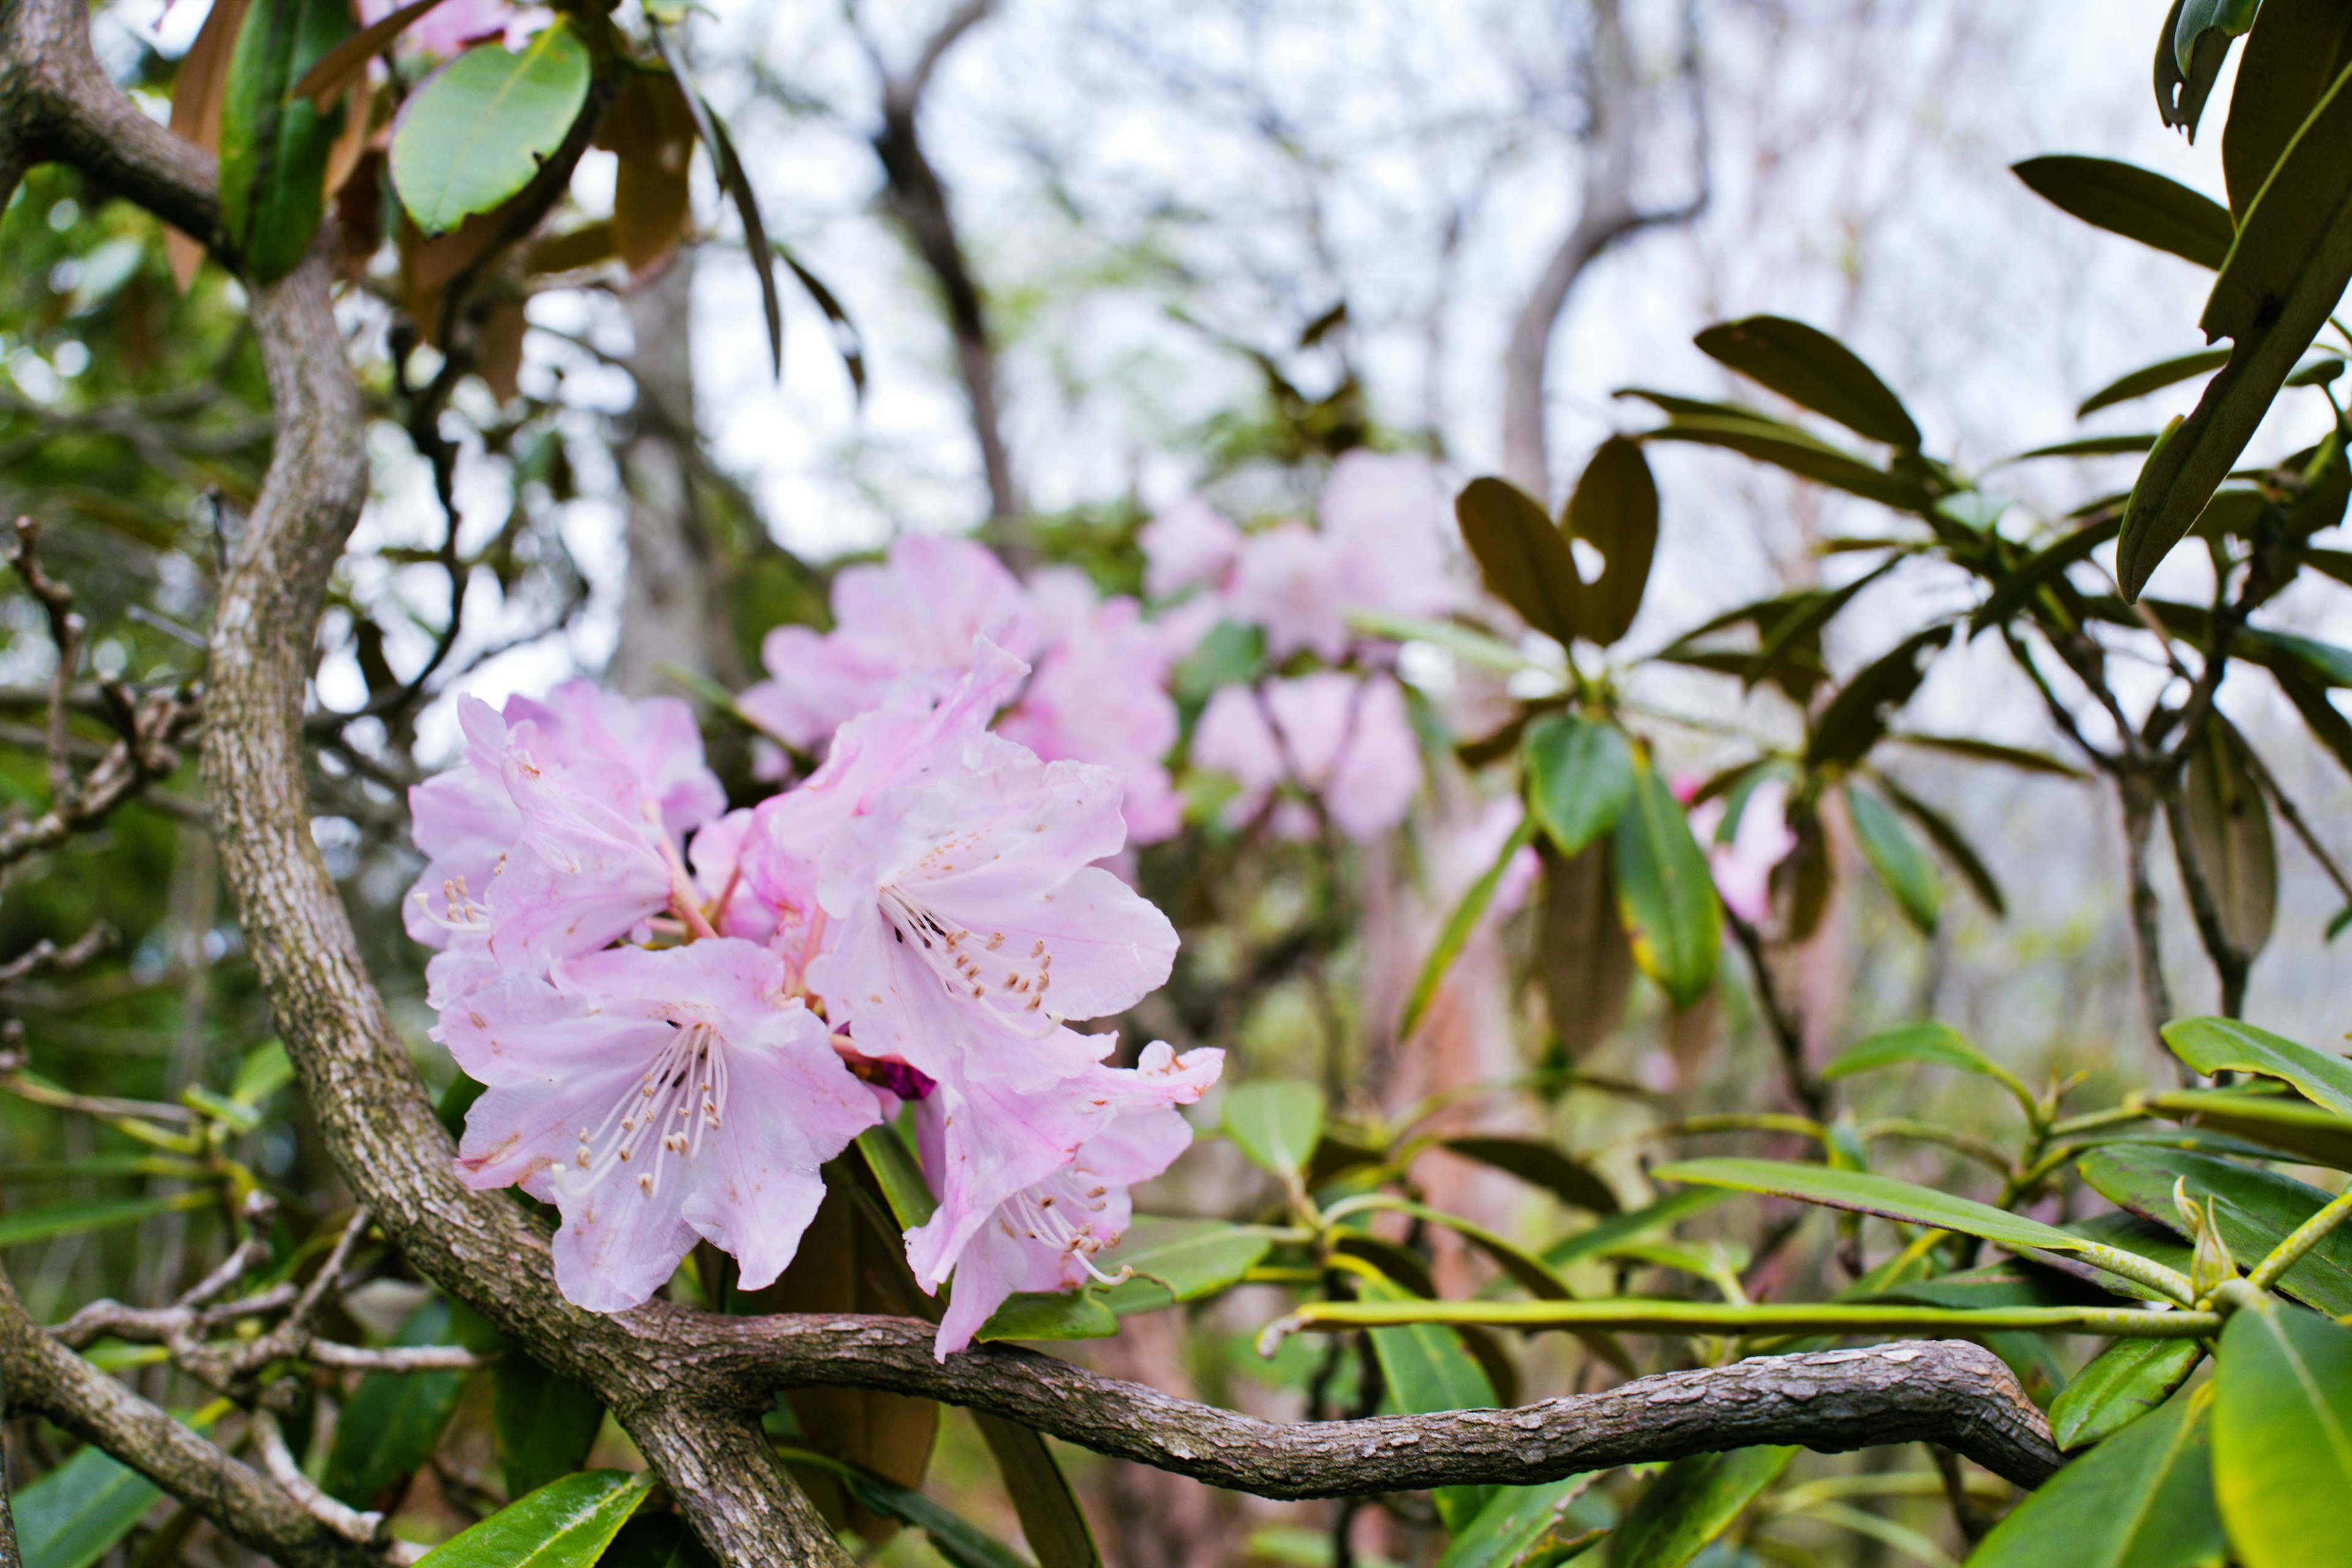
column 655, row 1096
column 1345, row 738
column 1043, row 1233
column 1189, row 544
column 1743, row 868
column 450, row 27
column 1100, row 695
column 1382, row 546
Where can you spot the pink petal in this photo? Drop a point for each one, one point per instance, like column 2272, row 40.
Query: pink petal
column 1187, row 544
column 1379, row 772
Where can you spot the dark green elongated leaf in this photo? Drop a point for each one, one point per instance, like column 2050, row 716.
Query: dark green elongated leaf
column 2228, row 819
column 2335, row 564
column 1583, row 962
column 2227, row 1045
column 394, row 1420
column 1580, row 776
column 1786, row 446
column 658, row 1541
column 1949, row 842
column 2122, row 1383
column 546, row 1423
column 1863, row 1192
column 1426, row 1368
column 1523, row 556
column 2010, row 1283
column 1614, row 509
column 738, row 186
column 1799, row 671
column 1400, row 1263
column 1665, row 892
column 1926, row 1042
column 961, row 1542
column 73, row 1516
column 2087, row 447
column 2136, row 203
column 2152, row 378
column 2016, row 757
column 1856, row 719
column 1901, row 864
column 479, row 128
column 1806, row 365
column 1179, row 1260
column 1462, row 920
column 2144, row 1499
column 2012, row 592
column 1693, row 1501
column 2298, row 49
column 1518, row 1526
column 1677, row 406
column 1800, row 629
column 564, row 1524
column 1051, row 1519
column 2329, row 664
column 1664, row 1215
column 1275, row 1122
column 344, row 64
column 2282, row 1436
column 1050, row 1315
column 2286, row 271
column 899, row 1176
column 274, row 145
column 2180, row 96
column 98, row 1213
column 2255, row 1210
column 2321, row 1136
column 1539, row 1164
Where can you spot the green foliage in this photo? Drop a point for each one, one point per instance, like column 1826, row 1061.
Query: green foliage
column 2141, row 1500
column 2283, row 1435
column 274, row 145
column 1580, row 777
column 564, row 1524
column 1275, row 1123
column 394, row 1420
column 1694, row 1500
column 73, row 1516
column 477, row 131
column 1665, row 893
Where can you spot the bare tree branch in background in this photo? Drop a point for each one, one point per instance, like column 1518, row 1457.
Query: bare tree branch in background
column 1614, row 140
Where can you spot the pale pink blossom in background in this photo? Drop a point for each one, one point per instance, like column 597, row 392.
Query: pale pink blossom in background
column 447, row 29
column 1342, row 737
column 1392, row 520
column 1743, row 867
column 1290, row 582
column 1189, row 544
column 654, row 1097
column 1100, row 695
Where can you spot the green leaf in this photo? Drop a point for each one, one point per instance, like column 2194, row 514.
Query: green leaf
column 2286, row 272
column 265, row 1069
column 1806, row 365
column 1618, row 1229
column 98, row 1214
column 961, row 1542
column 1051, row 1519
column 2225, row 1045
column 2120, row 1385
column 1539, row 1164
column 1856, row 719
column 273, row 145
column 2180, row 95
column 1426, row 1368
column 2320, row 1135
column 656, row 1540
column 545, row 1423
column 901, row 1177
column 1897, row 858
column 1050, row 1315
column 2136, row 203
column 395, row 1421
column 1928, row 1042
column 2228, row 819
column 2282, row 1436
column 1949, row 842
column 2254, row 1208
column 477, row 131
column 564, row 1524
column 1233, row 654
column 2298, row 49
column 1693, row 1500
column 73, row 1516
column 1787, row 447
column 1180, row 1260
column 1275, row 1122
column 1666, row 892
column 2087, row 447
column 1580, row 776
column 1863, row 1192
column 2144, row 1499
column 1516, row 1524
column 1523, row 556
column 2040, row 571
column 1460, row 922
column 1614, row 509
column 2152, row 378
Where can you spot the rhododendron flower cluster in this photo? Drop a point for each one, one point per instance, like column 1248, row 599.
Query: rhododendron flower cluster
column 680, row 1013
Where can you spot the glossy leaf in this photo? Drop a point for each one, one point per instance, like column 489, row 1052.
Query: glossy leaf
column 1461, row 922
column 1620, row 1228
column 1856, row 719
column 1539, row 1164
column 2282, row 1436
column 2254, row 1208
column 72, row 1516
column 2119, row 1385
column 1863, row 1192
column 1690, row 1503
column 564, row 1524
column 2298, row 49
column 394, row 1420
column 479, row 128
column 2227, row 1045
column 1179, row 1260
column 2225, row 814
column 1518, row 1526
column 1051, row 1519
column 2152, row 378
column 1523, row 556
column 274, row 145
column 1897, row 858
column 1665, row 890
column 1050, row 1315
column 896, row 1171
column 545, row 1422
column 963, row 1543
column 1808, row 366
column 1580, row 776
column 98, row 1214
column 1928, row 1042
column 2320, row 1135
column 1426, row 1368
column 2136, row 203
column 1614, row 509
column 1275, row 1122
column 1787, row 447
column 2180, row 94
column 2144, row 1499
